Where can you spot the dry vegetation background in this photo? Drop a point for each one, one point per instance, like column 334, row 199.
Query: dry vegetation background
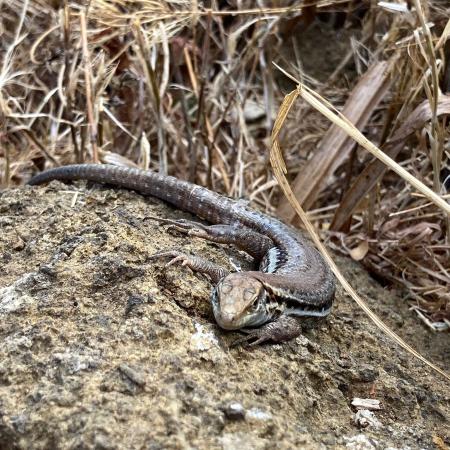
column 189, row 88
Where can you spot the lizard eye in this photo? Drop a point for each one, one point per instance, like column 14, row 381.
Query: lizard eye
column 249, row 293
column 226, row 288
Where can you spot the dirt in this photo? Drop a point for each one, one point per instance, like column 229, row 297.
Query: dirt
column 104, row 347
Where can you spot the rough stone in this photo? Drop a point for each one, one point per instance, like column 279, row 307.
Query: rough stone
column 105, row 348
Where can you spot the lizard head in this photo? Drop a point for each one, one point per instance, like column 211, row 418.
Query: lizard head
column 239, row 301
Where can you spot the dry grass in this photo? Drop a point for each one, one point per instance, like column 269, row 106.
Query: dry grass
column 193, row 92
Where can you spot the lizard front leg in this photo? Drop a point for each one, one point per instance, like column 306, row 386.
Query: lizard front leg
column 283, row 329
column 196, row 263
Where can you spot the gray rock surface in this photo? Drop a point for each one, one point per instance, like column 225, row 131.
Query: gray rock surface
column 104, row 348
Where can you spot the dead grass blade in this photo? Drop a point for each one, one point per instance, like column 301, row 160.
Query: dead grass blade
column 372, row 174
column 151, row 76
column 279, row 168
column 321, row 105
column 432, row 92
column 336, row 144
column 88, row 81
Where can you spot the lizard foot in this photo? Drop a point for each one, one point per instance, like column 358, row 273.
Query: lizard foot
column 282, row 330
column 195, row 263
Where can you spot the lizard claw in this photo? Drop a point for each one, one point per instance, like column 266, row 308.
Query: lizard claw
column 175, row 255
column 188, row 227
column 259, row 335
column 184, row 259
column 196, row 263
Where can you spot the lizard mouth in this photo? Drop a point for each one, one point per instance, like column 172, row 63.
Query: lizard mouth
column 228, row 321
column 233, row 321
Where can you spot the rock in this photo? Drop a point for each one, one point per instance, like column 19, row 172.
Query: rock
column 361, row 442
column 104, row 348
column 365, row 418
column 234, row 411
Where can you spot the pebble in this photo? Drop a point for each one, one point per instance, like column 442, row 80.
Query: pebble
column 234, row 411
column 365, row 418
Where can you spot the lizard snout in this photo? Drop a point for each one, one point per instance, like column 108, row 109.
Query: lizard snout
column 227, row 320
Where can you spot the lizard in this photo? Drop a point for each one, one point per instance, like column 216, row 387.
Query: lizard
column 293, row 281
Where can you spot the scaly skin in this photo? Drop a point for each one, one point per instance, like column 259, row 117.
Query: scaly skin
column 293, row 280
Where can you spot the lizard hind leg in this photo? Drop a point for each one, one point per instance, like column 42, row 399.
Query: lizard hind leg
column 250, row 241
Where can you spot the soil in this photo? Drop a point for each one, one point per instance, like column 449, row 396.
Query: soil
column 104, row 347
